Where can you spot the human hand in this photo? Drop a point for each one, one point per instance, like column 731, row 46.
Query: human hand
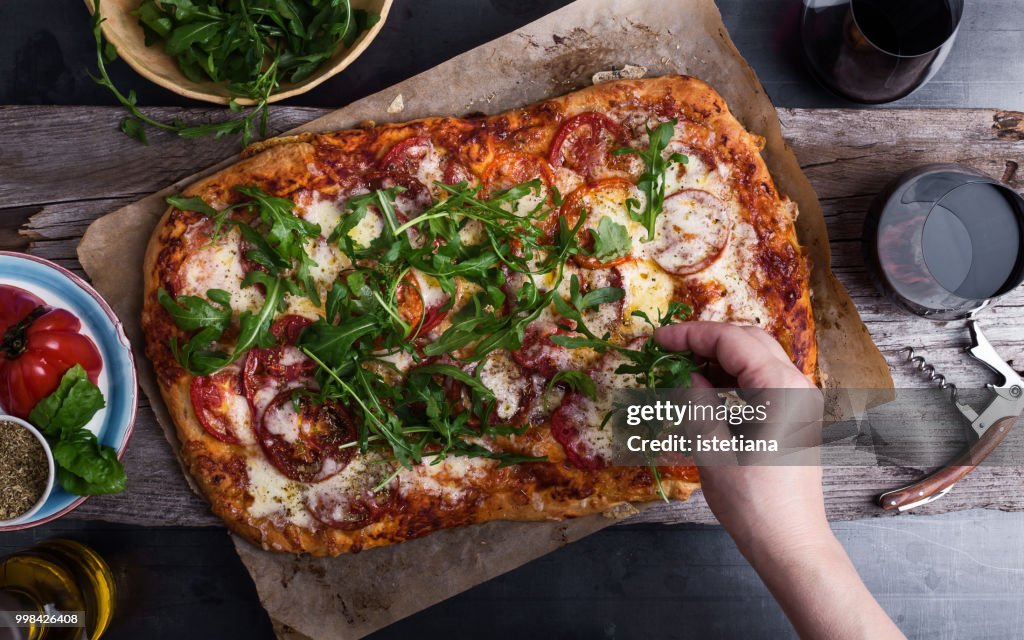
column 772, row 505
column 776, row 514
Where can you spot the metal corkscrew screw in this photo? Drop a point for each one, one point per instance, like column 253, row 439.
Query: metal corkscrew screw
column 919, row 363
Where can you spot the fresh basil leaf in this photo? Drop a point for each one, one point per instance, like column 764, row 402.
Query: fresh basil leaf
column 81, row 454
column 84, row 467
column 115, row 480
column 70, row 407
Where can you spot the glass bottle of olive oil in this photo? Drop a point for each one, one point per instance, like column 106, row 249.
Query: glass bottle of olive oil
column 54, row 578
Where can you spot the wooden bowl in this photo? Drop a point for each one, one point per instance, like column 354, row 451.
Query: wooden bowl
column 122, row 29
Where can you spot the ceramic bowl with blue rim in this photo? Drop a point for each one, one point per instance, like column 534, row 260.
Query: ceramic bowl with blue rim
column 59, row 288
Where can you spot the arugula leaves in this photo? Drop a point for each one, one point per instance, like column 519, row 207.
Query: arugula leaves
column 251, row 47
column 279, row 238
column 611, row 240
column 653, row 366
column 466, row 244
column 577, row 305
column 652, row 181
column 84, row 466
column 578, row 381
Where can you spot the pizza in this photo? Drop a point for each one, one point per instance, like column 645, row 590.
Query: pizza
column 366, row 336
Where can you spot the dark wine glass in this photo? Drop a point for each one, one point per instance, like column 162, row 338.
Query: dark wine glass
column 875, row 51
column 943, row 241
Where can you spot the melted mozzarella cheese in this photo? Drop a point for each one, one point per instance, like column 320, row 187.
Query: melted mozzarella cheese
column 400, row 360
column 472, row 233
column 567, row 180
column 274, row 495
column 285, row 501
column 611, row 203
column 218, row 265
column 283, row 421
column 649, row 289
column 595, row 440
column 301, row 306
column 363, row 471
column 431, row 170
column 324, row 213
column 734, row 272
column 533, row 203
column 430, row 289
column 330, row 263
column 239, row 413
column 507, row 381
column 450, row 479
column 368, row 229
column 695, row 174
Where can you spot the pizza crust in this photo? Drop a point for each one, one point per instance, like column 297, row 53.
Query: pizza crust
column 326, row 163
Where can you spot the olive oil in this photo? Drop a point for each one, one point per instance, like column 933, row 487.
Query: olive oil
column 54, row 577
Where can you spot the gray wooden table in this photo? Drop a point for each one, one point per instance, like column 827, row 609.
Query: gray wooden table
column 847, row 154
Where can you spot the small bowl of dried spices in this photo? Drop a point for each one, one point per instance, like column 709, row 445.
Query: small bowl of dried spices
column 26, row 471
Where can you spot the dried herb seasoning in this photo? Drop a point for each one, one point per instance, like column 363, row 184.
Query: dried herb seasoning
column 23, row 470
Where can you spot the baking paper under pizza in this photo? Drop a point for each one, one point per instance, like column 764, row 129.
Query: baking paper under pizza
column 369, row 335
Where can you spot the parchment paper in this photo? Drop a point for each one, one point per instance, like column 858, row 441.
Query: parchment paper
column 352, row 596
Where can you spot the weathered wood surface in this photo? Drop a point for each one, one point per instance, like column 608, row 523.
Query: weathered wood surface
column 60, row 168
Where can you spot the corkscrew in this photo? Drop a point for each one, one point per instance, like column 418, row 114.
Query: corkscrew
column 989, row 427
column 919, row 363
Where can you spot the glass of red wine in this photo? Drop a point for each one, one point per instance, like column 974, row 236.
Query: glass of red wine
column 875, row 51
column 944, row 240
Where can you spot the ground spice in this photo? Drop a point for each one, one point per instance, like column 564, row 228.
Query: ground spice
column 23, row 470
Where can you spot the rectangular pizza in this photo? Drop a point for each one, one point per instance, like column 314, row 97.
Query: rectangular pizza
column 369, row 335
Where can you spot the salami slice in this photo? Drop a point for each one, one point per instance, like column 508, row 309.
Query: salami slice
column 584, row 144
column 576, row 423
column 692, row 232
column 303, row 439
column 267, row 373
column 355, row 503
column 221, row 406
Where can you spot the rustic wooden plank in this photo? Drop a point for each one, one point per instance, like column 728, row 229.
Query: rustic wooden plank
column 848, row 154
column 69, row 155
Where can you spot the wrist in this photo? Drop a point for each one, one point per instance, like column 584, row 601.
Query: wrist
column 794, row 542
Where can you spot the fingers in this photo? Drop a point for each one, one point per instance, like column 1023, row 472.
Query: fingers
column 697, row 381
column 749, row 354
